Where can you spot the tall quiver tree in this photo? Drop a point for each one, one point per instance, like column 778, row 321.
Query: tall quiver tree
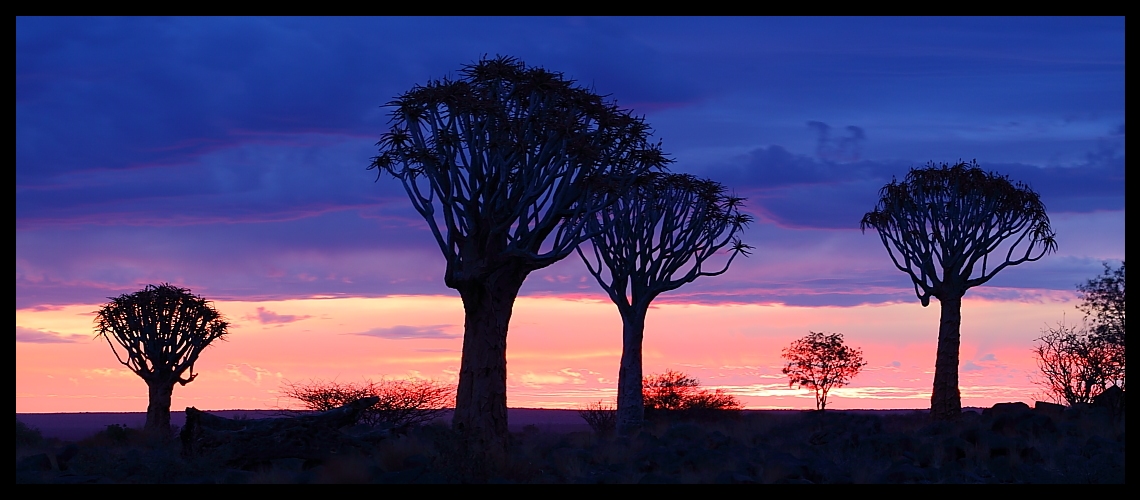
column 656, row 237
column 940, row 226
column 505, row 164
column 161, row 330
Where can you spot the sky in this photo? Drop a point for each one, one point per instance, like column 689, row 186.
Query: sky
column 229, row 156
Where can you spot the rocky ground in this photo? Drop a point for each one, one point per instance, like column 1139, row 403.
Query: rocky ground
column 1010, row 443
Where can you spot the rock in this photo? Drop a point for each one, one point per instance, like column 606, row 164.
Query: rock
column 1111, row 399
column 1005, row 408
column 1052, row 409
column 246, row 443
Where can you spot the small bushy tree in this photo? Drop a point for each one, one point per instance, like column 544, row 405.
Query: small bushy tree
column 1075, row 364
column 161, row 330
column 402, row 403
column 821, row 362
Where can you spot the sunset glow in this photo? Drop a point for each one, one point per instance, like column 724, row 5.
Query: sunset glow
column 561, row 353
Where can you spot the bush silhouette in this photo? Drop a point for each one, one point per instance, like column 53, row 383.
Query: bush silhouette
column 403, row 403
column 602, row 417
column 675, row 393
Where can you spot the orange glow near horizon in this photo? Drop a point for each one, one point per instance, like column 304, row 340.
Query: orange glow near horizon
column 560, row 353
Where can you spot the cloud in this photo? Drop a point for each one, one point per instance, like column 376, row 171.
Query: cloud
column 842, row 149
column 265, row 317
column 798, row 191
column 34, row 336
column 402, row 332
column 252, row 374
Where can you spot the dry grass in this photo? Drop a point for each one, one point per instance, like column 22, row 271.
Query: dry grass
column 1080, row 446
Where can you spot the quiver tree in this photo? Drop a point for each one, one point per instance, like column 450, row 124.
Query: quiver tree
column 951, row 228
column 821, row 362
column 657, row 236
column 161, row 331
column 506, row 164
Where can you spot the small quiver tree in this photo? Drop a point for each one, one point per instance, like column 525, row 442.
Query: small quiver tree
column 657, row 236
column 821, row 362
column 161, row 331
column 951, row 228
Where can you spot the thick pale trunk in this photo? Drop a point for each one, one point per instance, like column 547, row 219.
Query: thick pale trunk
column 945, row 400
column 481, row 397
column 158, row 410
column 630, row 401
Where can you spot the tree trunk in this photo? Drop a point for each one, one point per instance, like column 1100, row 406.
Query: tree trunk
column 158, row 411
column 481, row 398
column 945, row 400
column 630, row 400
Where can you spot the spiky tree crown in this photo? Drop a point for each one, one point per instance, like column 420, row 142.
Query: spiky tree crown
column 161, row 329
column 505, row 155
column 945, row 220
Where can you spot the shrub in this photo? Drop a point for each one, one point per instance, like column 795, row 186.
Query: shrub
column 602, row 417
column 403, row 403
column 679, row 393
column 27, row 436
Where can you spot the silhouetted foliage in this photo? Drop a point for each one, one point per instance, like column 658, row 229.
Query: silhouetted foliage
column 1102, row 301
column 162, row 331
column 602, row 417
column 655, row 237
column 940, row 226
column 821, row 362
column 402, row 403
column 26, row 435
column 1076, row 365
column 674, row 392
column 506, row 164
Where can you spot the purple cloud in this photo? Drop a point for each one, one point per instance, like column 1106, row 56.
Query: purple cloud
column 266, row 317
column 403, row 332
column 34, row 336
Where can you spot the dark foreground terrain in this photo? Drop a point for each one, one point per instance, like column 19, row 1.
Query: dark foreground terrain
column 1010, row 443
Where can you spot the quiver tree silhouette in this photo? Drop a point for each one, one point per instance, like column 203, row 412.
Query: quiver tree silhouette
column 821, row 362
column 657, row 236
column 161, row 330
column 940, row 226
column 506, row 164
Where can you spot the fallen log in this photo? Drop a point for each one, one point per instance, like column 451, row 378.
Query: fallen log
column 246, row 443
